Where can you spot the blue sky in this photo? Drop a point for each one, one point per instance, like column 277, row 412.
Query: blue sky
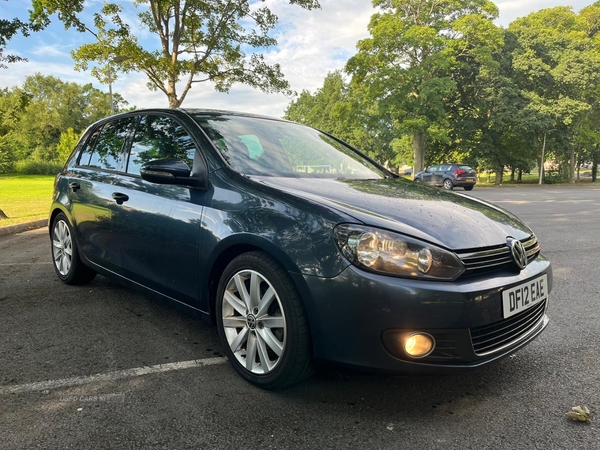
column 310, row 44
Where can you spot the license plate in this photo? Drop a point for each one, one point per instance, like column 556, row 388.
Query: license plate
column 524, row 296
column 470, row 179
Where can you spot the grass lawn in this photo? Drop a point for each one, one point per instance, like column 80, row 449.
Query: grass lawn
column 528, row 178
column 533, row 178
column 24, row 198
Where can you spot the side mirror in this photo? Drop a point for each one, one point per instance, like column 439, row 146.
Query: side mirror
column 169, row 171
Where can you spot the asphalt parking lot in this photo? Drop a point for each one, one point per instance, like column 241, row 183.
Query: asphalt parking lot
column 103, row 367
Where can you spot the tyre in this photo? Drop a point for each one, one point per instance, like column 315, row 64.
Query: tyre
column 262, row 323
column 448, row 184
column 469, row 188
column 65, row 254
column 418, row 180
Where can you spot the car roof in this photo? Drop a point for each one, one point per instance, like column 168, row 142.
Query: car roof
column 194, row 111
column 219, row 112
column 183, row 112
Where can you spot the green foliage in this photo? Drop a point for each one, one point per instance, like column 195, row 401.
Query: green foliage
column 66, row 145
column 556, row 64
column 403, row 151
column 217, row 40
column 409, row 64
column 6, row 161
column 37, row 167
column 445, row 84
column 328, row 109
column 553, row 177
column 342, row 110
column 36, row 117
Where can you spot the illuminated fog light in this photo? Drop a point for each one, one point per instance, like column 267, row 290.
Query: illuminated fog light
column 419, row 345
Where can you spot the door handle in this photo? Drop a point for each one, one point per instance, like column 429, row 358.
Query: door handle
column 75, row 186
column 120, row 198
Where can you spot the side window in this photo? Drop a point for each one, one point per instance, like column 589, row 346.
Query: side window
column 159, row 137
column 107, row 152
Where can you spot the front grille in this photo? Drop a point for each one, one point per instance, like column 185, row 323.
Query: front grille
column 496, row 336
column 492, row 259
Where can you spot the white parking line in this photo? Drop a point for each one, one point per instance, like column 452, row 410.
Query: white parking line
column 110, row 376
column 25, row 264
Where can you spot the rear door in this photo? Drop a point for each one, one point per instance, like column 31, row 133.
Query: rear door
column 440, row 173
column 91, row 192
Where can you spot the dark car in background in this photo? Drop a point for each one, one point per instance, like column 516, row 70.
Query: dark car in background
column 299, row 247
column 448, row 176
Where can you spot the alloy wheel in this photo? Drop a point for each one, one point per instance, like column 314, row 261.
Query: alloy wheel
column 253, row 321
column 62, row 247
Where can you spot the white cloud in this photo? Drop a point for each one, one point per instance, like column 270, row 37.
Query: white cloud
column 50, row 50
column 17, row 72
column 314, row 43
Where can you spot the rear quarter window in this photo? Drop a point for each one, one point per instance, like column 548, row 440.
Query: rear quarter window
column 105, row 146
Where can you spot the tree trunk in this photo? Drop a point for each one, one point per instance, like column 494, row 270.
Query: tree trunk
column 2, row 215
column 572, row 166
column 541, row 166
column 512, row 174
column 594, row 170
column 418, row 152
column 520, row 176
column 499, row 175
column 174, row 102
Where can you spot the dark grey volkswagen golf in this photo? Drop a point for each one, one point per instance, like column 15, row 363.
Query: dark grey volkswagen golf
column 298, row 246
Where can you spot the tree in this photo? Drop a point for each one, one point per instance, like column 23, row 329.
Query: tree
column 327, row 109
column 67, row 142
column 200, row 40
column 12, row 107
column 344, row 112
column 557, row 66
column 36, row 117
column 408, row 62
column 489, row 116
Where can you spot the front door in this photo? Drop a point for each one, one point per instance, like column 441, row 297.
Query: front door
column 159, row 225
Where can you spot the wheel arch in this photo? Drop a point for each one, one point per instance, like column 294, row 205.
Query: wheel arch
column 236, row 245
column 55, row 211
column 228, row 249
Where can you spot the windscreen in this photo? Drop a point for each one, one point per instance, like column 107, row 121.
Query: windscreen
column 265, row 147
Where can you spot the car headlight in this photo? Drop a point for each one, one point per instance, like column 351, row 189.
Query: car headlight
column 394, row 254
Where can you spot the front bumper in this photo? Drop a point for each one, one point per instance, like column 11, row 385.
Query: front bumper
column 351, row 314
